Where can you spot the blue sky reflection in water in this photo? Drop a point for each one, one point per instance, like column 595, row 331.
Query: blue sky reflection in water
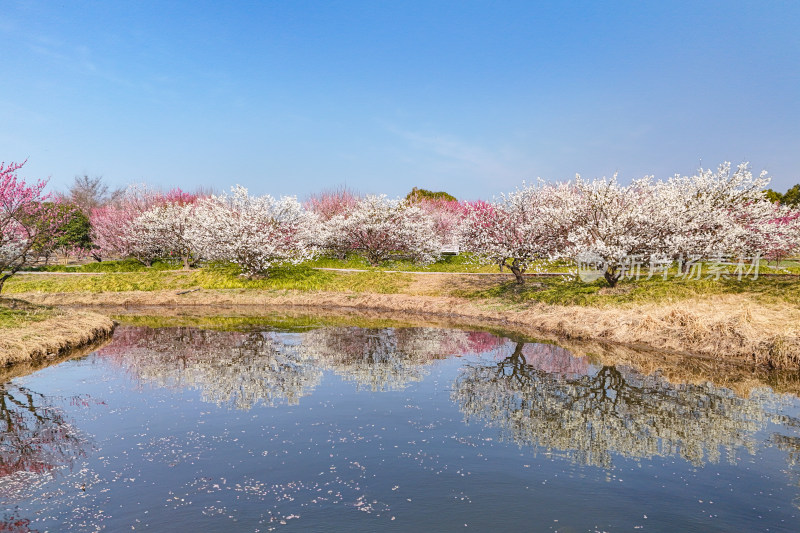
column 353, row 429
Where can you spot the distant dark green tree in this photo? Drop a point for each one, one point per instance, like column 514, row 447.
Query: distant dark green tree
column 76, row 236
column 790, row 197
column 772, row 196
column 417, row 194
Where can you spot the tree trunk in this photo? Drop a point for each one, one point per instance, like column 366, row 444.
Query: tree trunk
column 186, row 265
column 612, row 277
column 3, row 279
column 517, row 271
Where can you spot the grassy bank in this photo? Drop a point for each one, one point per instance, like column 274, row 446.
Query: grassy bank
column 301, row 278
column 30, row 333
column 749, row 320
column 493, row 286
column 19, row 313
column 574, row 292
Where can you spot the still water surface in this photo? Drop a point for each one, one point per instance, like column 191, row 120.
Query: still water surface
column 357, row 429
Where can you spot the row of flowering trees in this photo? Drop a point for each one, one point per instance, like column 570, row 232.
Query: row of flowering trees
column 600, row 221
column 257, row 232
column 710, row 214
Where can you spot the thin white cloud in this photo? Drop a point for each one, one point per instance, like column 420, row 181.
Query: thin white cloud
column 450, row 154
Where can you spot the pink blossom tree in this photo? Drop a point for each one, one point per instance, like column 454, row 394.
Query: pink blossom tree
column 112, row 224
column 326, row 205
column 144, row 223
column 30, row 223
column 107, row 230
column 775, row 235
column 329, row 203
column 447, row 216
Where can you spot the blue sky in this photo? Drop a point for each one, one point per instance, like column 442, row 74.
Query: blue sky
column 468, row 97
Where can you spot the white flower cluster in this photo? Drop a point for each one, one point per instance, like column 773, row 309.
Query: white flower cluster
column 254, row 232
column 257, row 232
column 379, row 228
column 711, row 214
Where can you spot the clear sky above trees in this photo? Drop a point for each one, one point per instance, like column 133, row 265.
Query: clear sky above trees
column 466, row 97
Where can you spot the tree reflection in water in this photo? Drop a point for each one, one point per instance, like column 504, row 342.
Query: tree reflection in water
column 555, row 401
column 35, row 438
column 538, row 394
column 35, row 435
column 242, row 368
column 390, row 358
column 12, row 522
column 229, row 368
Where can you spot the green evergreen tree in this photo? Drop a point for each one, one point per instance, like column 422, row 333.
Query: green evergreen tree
column 418, row 194
column 790, row 198
column 76, row 231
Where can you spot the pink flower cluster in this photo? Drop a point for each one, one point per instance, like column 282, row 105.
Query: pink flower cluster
column 30, row 221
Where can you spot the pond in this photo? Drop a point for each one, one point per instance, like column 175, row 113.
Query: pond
column 353, row 428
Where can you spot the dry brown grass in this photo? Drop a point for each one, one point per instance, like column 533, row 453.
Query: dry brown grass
column 52, row 337
column 732, row 327
column 7, row 373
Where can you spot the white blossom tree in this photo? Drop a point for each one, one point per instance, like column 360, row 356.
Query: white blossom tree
column 115, row 231
column 255, row 232
column 610, row 224
column 167, row 230
column 519, row 229
column 713, row 213
column 379, row 228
